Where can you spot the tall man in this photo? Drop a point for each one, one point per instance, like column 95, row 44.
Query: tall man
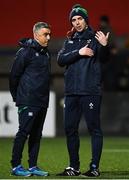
column 29, row 87
column 82, row 55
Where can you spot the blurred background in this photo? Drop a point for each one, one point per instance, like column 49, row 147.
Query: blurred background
column 17, row 20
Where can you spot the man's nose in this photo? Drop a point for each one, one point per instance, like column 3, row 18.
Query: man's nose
column 48, row 37
column 77, row 22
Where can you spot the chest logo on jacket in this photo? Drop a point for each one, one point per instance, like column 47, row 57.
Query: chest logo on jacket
column 88, row 41
column 36, row 54
column 30, row 113
column 70, row 42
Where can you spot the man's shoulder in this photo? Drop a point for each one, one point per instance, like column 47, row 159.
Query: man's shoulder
column 24, row 51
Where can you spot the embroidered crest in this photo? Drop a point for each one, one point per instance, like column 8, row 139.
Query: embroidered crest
column 36, row 54
column 30, row 113
column 88, row 41
column 70, row 42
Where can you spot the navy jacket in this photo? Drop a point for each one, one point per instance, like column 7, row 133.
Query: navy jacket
column 82, row 73
column 30, row 74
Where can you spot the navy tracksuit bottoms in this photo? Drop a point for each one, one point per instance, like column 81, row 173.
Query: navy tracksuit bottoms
column 31, row 120
column 74, row 107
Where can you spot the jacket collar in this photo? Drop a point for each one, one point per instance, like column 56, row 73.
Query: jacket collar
column 32, row 43
column 86, row 34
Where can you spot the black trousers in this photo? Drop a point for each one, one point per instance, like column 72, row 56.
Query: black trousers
column 31, row 120
column 74, row 107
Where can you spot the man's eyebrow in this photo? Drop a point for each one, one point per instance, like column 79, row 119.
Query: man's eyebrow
column 47, row 33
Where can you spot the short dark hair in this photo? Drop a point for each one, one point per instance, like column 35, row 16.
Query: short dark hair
column 40, row 25
column 104, row 18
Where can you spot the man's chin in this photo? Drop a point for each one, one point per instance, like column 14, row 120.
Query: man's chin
column 79, row 30
column 45, row 45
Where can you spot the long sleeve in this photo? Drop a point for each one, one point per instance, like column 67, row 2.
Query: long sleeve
column 16, row 73
column 104, row 54
column 65, row 58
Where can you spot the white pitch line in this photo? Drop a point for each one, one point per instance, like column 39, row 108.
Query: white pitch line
column 116, row 150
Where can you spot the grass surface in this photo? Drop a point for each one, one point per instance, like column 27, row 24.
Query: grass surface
column 53, row 158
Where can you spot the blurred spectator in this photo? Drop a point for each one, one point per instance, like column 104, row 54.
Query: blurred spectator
column 104, row 26
column 123, row 73
column 109, row 69
column 116, row 70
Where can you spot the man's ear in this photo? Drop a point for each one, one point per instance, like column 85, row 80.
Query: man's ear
column 35, row 36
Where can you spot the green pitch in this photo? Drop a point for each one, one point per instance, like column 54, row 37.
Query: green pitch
column 53, row 158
